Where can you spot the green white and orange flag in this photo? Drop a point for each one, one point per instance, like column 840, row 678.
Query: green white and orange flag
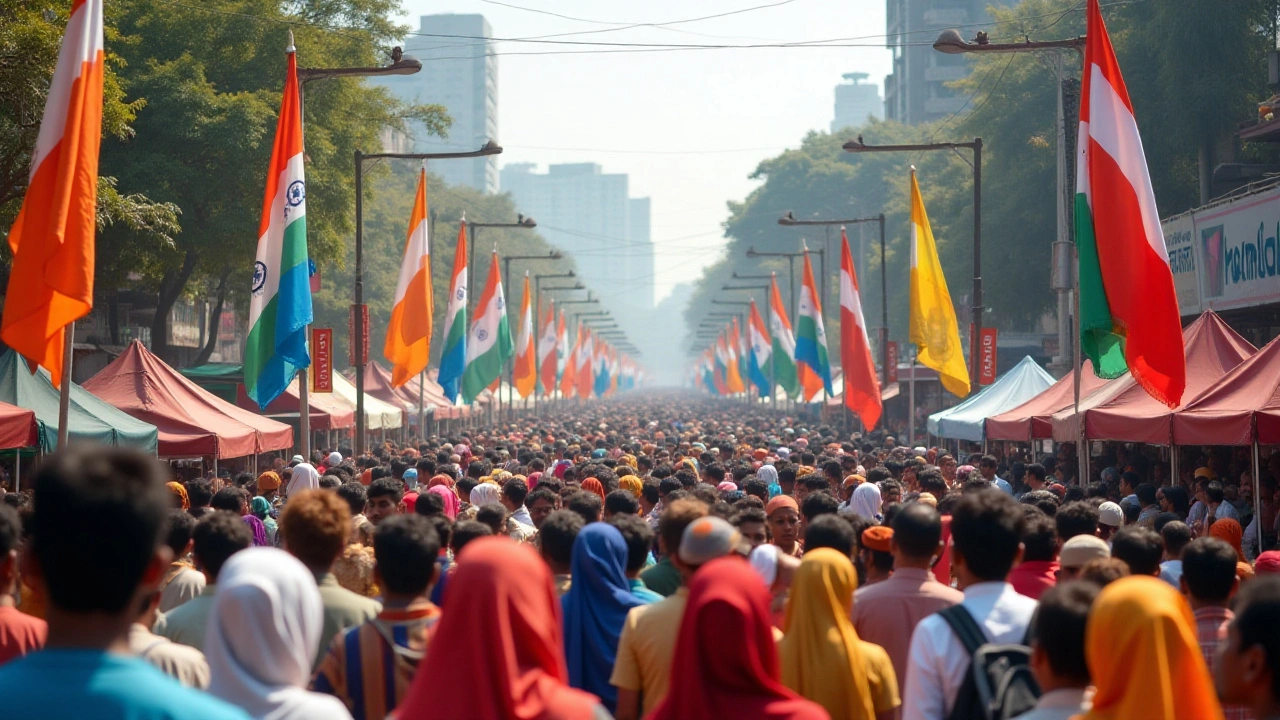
column 733, row 373
column 783, row 354
column 408, row 343
column 280, row 300
column 812, row 363
column 525, row 375
column 489, row 345
column 52, row 240
column 1129, row 317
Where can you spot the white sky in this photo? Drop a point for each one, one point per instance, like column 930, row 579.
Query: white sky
column 687, row 126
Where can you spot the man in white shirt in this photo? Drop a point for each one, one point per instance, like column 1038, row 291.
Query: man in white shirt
column 1057, row 651
column 513, row 494
column 986, row 531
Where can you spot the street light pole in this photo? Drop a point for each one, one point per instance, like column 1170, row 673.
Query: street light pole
column 357, row 340
column 857, row 146
column 400, row 65
column 1061, row 275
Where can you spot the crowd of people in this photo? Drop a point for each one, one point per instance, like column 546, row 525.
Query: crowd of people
column 649, row 557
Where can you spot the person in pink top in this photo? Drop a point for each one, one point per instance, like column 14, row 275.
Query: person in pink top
column 1038, row 570
column 20, row 633
column 887, row 612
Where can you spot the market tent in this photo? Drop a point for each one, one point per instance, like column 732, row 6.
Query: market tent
column 1121, row 410
column 89, row 419
column 378, row 415
column 967, row 421
column 327, row 411
column 1246, row 398
column 17, row 427
column 1030, row 420
column 220, row 379
column 191, row 421
column 377, row 382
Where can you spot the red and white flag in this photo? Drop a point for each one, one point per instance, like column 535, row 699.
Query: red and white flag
column 547, row 351
column 861, row 386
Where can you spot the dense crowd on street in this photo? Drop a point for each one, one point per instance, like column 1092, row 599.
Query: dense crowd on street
column 650, row 557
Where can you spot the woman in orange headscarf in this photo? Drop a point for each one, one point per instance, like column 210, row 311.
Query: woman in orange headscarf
column 512, row 669
column 180, row 495
column 592, row 485
column 822, row 657
column 1144, row 657
column 1229, row 530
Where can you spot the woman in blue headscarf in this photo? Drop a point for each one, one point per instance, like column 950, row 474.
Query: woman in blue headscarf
column 595, row 609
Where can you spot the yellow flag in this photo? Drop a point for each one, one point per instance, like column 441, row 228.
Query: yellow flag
column 933, row 318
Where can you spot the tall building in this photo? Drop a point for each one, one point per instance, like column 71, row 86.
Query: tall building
column 587, row 213
column 459, row 72
column 855, row 102
column 917, row 92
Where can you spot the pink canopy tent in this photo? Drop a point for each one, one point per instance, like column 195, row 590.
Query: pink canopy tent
column 327, row 412
column 1242, row 407
column 1121, row 410
column 17, row 427
column 377, row 382
column 1030, row 420
column 191, row 420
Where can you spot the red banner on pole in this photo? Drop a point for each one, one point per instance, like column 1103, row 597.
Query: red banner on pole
column 987, row 357
column 322, row 360
column 893, row 361
column 351, row 333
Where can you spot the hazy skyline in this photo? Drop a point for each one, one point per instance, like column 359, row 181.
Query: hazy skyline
column 687, row 126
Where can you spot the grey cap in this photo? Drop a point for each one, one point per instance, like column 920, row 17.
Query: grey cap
column 706, row 539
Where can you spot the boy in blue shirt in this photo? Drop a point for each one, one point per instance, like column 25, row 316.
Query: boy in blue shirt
column 97, row 546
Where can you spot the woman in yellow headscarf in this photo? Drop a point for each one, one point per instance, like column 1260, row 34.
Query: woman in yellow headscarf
column 631, row 484
column 1144, row 657
column 821, row 655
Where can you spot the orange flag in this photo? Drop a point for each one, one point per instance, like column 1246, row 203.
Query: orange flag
column 51, row 281
column 409, row 333
column 526, row 367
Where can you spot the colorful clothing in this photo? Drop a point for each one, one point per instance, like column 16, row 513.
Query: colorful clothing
column 371, row 667
column 1211, row 633
column 20, row 633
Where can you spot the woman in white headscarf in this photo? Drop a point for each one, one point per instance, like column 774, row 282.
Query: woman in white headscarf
column 262, row 635
column 865, row 502
column 485, row 494
column 305, row 477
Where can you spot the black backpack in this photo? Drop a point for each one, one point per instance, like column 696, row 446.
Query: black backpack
column 999, row 684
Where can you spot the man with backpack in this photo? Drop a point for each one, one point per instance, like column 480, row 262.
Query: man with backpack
column 986, row 532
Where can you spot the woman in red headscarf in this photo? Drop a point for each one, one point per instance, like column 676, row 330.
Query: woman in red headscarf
column 592, row 485
column 726, row 661
column 510, row 669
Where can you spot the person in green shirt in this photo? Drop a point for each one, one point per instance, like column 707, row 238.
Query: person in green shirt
column 664, row 578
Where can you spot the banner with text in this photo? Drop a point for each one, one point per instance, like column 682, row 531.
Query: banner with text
column 322, row 360
column 987, row 356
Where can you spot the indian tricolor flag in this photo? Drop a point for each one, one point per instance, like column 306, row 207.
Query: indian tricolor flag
column 733, row 373
column 758, row 352
column 489, row 345
column 783, row 354
column 812, row 364
column 525, row 375
column 585, row 374
column 569, row 371
column 280, row 302
column 453, row 360
column 1128, row 308
column 861, row 386
column 547, row 351
column 52, row 240
column 408, row 343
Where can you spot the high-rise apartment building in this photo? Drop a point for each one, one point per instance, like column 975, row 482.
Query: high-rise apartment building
column 587, row 213
column 917, row 91
column 856, row 102
column 459, row 72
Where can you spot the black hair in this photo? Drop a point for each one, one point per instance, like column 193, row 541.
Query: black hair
column 715, row 471
column 515, row 490
column 621, row 502
column 1214, row 492
column 397, row 469
column 879, row 475
column 406, row 548
column 199, row 492
column 833, row 469
column 218, row 536
column 1039, row 537
column 686, row 477
column 917, row 529
column 494, row 515
column 1058, row 628
column 444, row 529
column 466, row 531
column 638, row 536
column 1146, row 493
column 117, row 499
column 1178, row 496
column 1131, row 478
column 229, row 499
column 756, row 487
column 830, row 531
column 986, row 529
column 1046, row 501
column 429, row 505
column 814, row 481
column 557, row 535
column 749, row 514
column 180, row 527
column 931, row 481
column 1037, row 471
column 1209, row 569
column 542, row 493
column 817, row 504
column 587, row 504
column 354, row 494
column 651, row 491
column 466, row 485
column 1141, row 549
column 329, row 481
column 1257, row 607
column 668, row 485
column 385, row 487
column 1175, row 535
column 1076, row 518
column 1163, row 519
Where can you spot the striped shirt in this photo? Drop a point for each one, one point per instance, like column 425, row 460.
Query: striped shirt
column 371, row 666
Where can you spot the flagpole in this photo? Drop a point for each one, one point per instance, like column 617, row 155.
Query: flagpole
column 64, row 393
column 911, row 400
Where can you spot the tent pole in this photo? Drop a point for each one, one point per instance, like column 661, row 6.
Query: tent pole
column 1257, row 489
column 17, row 471
column 64, row 393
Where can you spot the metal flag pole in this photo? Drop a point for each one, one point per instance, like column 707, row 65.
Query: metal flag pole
column 64, row 393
